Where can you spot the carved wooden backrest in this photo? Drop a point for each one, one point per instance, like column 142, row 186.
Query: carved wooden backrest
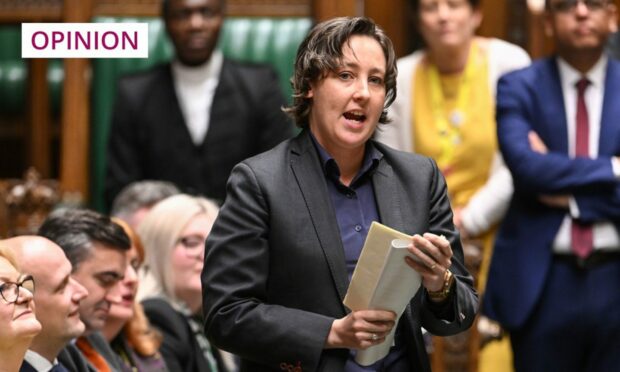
column 27, row 202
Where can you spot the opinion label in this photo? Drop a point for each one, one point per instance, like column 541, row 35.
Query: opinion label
column 85, row 40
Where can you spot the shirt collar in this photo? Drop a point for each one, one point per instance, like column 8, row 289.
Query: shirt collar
column 596, row 76
column 38, row 362
column 196, row 74
column 330, row 167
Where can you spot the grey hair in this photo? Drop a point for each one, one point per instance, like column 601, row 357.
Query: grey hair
column 141, row 194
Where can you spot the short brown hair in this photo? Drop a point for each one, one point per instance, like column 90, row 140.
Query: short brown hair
column 321, row 51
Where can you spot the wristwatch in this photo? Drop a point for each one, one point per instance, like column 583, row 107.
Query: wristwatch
column 444, row 292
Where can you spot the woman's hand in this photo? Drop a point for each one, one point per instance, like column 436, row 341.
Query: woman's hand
column 360, row 329
column 431, row 257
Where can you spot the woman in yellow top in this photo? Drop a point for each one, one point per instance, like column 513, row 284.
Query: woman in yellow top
column 445, row 109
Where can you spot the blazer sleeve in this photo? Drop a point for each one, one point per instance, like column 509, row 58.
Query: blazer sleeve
column 550, row 173
column 489, row 204
column 458, row 312
column 123, row 149
column 235, row 278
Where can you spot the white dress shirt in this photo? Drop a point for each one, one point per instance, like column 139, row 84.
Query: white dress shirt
column 38, row 362
column 195, row 89
column 605, row 235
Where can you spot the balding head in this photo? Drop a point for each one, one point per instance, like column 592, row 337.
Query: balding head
column 57, row 295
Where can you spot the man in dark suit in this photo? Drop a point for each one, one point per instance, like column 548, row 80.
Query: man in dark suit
column 286, row 240
column 57, row 299
column 555, row 272
column 192, row 120
column 96, row 248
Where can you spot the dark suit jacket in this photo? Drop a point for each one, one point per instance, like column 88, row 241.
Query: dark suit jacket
column 150, row 140
column 26, row 367
column 73, row 360
column 531, row 99
column 275, row 273
column 179, row 348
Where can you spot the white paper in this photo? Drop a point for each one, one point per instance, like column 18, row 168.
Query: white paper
column 382, row 280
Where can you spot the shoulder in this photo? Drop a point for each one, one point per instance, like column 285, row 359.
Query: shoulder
column 411, row 59
column 405, row 161
column 248, row 69
column 506, row 49
column 142, row 81
column 164, row 317
column 541, row 69
column 271, row 161
column 505, row 56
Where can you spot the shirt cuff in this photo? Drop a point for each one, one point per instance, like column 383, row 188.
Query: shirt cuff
column 615, row 166
column 573, row 208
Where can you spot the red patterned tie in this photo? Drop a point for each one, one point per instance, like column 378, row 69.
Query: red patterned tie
column 581, row 234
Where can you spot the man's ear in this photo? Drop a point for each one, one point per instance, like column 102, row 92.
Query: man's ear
column 548, row 23
column 477, row 18
column 309, row 93
column 613, row 18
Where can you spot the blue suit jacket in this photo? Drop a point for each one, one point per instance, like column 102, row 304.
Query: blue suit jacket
column 531, row 99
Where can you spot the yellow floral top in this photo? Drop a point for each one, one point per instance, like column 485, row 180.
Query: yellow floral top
column 455, row 123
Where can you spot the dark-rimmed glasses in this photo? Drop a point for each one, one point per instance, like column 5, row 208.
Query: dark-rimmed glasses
column 10, row 290
column 565, row 6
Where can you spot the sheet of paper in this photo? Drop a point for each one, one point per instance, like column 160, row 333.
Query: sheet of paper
column 382, row 280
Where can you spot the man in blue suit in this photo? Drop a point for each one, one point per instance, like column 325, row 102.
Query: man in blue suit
column 554, row 281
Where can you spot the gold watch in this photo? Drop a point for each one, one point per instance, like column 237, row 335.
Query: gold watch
column 444, row 292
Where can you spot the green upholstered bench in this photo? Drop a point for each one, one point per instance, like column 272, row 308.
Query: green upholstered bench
column 268, row 40
column 14, row 74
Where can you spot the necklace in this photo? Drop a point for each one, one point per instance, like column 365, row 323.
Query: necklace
column 449, row 124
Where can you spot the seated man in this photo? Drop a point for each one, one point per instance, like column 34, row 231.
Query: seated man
column 192, row 120
column 96, row 247
column 57, row 299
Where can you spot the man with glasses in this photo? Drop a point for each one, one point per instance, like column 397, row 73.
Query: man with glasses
column 96, row 247
column 57, row 299
column 555, row 274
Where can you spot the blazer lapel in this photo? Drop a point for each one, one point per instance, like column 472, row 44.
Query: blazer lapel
column 386, row 195
column 555, row 134
column 172, row 118
column 311, row 181
column 608, row 140
column 224, row 109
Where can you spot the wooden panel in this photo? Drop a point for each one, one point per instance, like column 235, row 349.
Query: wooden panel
column 39, row 117
column 494, row 18
column 326, row 9
column 252, row 8
column 74, row 141
column 280, row 8
column 393, row 17
column 17, row 11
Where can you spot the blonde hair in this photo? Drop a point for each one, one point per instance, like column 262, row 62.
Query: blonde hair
column 160, row 231
column 7, row 254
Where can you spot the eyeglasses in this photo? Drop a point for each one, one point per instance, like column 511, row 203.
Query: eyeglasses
column 193, row 245
column 10, row 290
column 566, row 6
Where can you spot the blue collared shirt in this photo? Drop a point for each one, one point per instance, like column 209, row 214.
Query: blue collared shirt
column 356, row 207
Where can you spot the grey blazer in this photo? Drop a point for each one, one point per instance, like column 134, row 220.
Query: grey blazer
column 275, row 274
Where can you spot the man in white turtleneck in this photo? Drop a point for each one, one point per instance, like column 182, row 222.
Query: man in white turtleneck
column 190, row 121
